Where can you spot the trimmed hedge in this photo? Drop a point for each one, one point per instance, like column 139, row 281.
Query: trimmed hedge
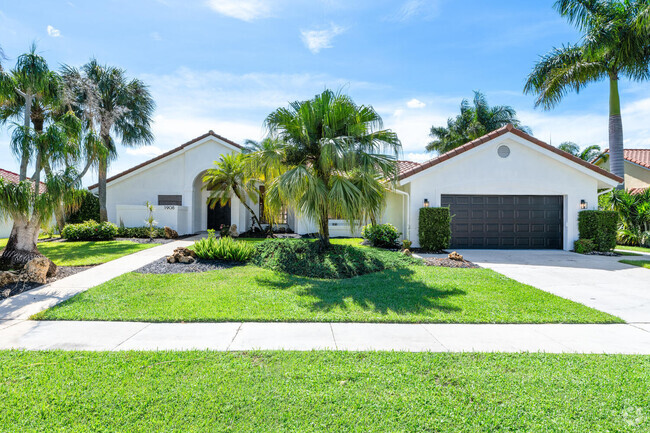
column 584, row 246
column 88, row 208
column 434, row 228
column 600, row 227
column 139, row 232
column 89, row 231
column 381, row 235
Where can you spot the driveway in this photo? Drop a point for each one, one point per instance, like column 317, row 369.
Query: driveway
column 599, row 282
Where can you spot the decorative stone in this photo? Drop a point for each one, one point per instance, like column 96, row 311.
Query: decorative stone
column 170, row 233
column 233, row 233
column 186, row 259
column 455, row 256
column 38, row 269
column 182, row 255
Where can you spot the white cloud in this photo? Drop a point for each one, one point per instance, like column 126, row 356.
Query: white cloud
column 144, row 151
column 245, row 10
column 415, row 103
column 421, row 9
column 316, row 40
column 52, row 32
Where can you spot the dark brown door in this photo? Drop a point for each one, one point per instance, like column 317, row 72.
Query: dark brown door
column 506, row 221
column 218, row 217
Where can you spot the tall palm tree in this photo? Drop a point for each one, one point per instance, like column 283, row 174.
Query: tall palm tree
column 117, row 107
column 613, row 45
column 586, row 154
column 336, row 155
column 475, row 120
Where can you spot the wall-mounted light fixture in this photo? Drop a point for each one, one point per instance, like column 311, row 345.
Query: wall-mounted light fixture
column 426, row 202
column 583, row 204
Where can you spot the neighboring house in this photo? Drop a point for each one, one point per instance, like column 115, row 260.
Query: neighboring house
column 505, row 190
column 6, row 225
column 637, row 168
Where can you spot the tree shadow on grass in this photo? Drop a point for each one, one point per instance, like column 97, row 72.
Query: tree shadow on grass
column 389, row 291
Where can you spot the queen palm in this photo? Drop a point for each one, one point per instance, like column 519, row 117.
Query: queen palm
column 336, row 156
column 614, row 45
column 586, row 154
column 475, row 120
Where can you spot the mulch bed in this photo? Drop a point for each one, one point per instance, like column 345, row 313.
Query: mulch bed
column 449, row 263
column 13, row 289
column 161, row 266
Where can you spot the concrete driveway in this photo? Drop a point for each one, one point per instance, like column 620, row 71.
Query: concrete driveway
column 599, row 282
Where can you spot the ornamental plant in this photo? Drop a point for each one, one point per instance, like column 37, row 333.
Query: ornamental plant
column 381, row 235
column 89, row 231
column 212, row 248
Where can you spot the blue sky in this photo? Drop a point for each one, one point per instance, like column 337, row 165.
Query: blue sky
column 225, row 64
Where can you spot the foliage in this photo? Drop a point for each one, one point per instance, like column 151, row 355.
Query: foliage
column 381, row 235
column 306, row 258
column 406, row 244
column 336, row 158
column 225, row 248
column 599, row 227
column 634, row 216
column 474, row 121
column 140, row 232
column 584, row 246
column 86, row 208
column 586, row 154
column 434, row 229
column 150, row 221
column 89, row 231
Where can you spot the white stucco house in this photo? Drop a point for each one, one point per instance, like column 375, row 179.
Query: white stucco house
column 505, row 190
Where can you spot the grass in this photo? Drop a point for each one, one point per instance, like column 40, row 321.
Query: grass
column 620, row 248
column 641, row 263
column 249, row 293
column 322, row 392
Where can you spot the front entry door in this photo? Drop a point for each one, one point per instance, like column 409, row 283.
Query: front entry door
column 218, row 217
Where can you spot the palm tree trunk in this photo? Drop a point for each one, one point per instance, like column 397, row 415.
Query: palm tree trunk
column 616, row 158
column 324, row 230
column 21, row 246
column 256, row 220
column 24, row 159
column 101, row 187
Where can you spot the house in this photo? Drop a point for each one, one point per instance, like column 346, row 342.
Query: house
column 636, row 165
column 5, row 224
column 505, row 190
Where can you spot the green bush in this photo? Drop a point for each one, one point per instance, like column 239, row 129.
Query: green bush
column 584, row 246
column 139, row 232
column 434, row 228
column 306, row 258
column 381, row 235
column 89, row 231
column 600, row 227
column 88, row 208
column 226, row 248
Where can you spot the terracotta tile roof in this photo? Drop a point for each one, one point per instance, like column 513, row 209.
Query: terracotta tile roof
column 12, row 177
column 499, row 132
column 637, row 156
column 170, row 152
column 405, row 166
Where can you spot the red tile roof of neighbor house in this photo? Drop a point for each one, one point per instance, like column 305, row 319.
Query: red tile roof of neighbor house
column 637, row 156
column 405, row 166
column 499, row 132
column 210, row 133
column 12, row 177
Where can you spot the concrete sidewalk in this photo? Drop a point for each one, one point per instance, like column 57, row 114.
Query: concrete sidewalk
column 64, row 335
column 25, row 304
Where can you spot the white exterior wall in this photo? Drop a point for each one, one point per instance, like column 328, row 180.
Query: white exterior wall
column 528, row 170
column 5, row 228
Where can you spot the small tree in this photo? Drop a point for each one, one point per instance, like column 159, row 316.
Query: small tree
column 150, row 221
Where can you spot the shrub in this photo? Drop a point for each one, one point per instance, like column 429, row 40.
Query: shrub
column 86, row 208
column 434, row 228
column 139, row 232
column 381, row 235
column 224, row 231
column 600, row 227
column 89, row 231
column 306, row 258
column 226, row 248
column 584, row 246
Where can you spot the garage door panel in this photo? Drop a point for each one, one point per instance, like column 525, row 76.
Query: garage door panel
column 485, row 221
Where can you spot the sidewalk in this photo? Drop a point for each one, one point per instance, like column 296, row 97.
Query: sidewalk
column 64, row 335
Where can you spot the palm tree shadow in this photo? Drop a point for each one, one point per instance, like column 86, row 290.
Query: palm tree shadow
column 389, row 291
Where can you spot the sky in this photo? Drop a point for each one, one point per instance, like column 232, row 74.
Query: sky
column 224, row 65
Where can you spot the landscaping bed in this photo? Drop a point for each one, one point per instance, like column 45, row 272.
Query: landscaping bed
column 446, row 262
column 13, row 289
column 161, row 266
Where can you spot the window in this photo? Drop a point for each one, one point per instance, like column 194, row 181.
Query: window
column 170, row 200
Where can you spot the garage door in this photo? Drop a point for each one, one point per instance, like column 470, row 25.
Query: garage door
column 505, row 221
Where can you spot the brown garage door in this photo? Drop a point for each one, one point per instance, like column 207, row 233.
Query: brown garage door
column 505, row 221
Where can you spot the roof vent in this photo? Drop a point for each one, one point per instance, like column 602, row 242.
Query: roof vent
column 503, row 151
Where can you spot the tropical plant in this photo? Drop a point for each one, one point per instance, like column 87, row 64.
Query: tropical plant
column 381, row 235
column 231, row 177
column 634, row 216
column 475, row 120
column 614, row 44
column 336, row 158
column 224, row 248
column 116, row 107
column 586, row 154
column 150, row 221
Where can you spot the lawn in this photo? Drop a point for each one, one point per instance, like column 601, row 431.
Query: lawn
column 249, row 293
column 641, row 263
column 322, row 392
column 620, row 248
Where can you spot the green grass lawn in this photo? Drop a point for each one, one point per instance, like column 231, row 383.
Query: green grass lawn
column 322, row 392
column 249, row 293
column 620, row 248
column 641, row 263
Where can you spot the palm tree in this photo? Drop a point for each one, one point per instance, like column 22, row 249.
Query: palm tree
column 113, row 106
column 231, row 177
column 335, row 160
column 613, row 45
column 475, row 120
column 587, row 154
column 634, row 216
